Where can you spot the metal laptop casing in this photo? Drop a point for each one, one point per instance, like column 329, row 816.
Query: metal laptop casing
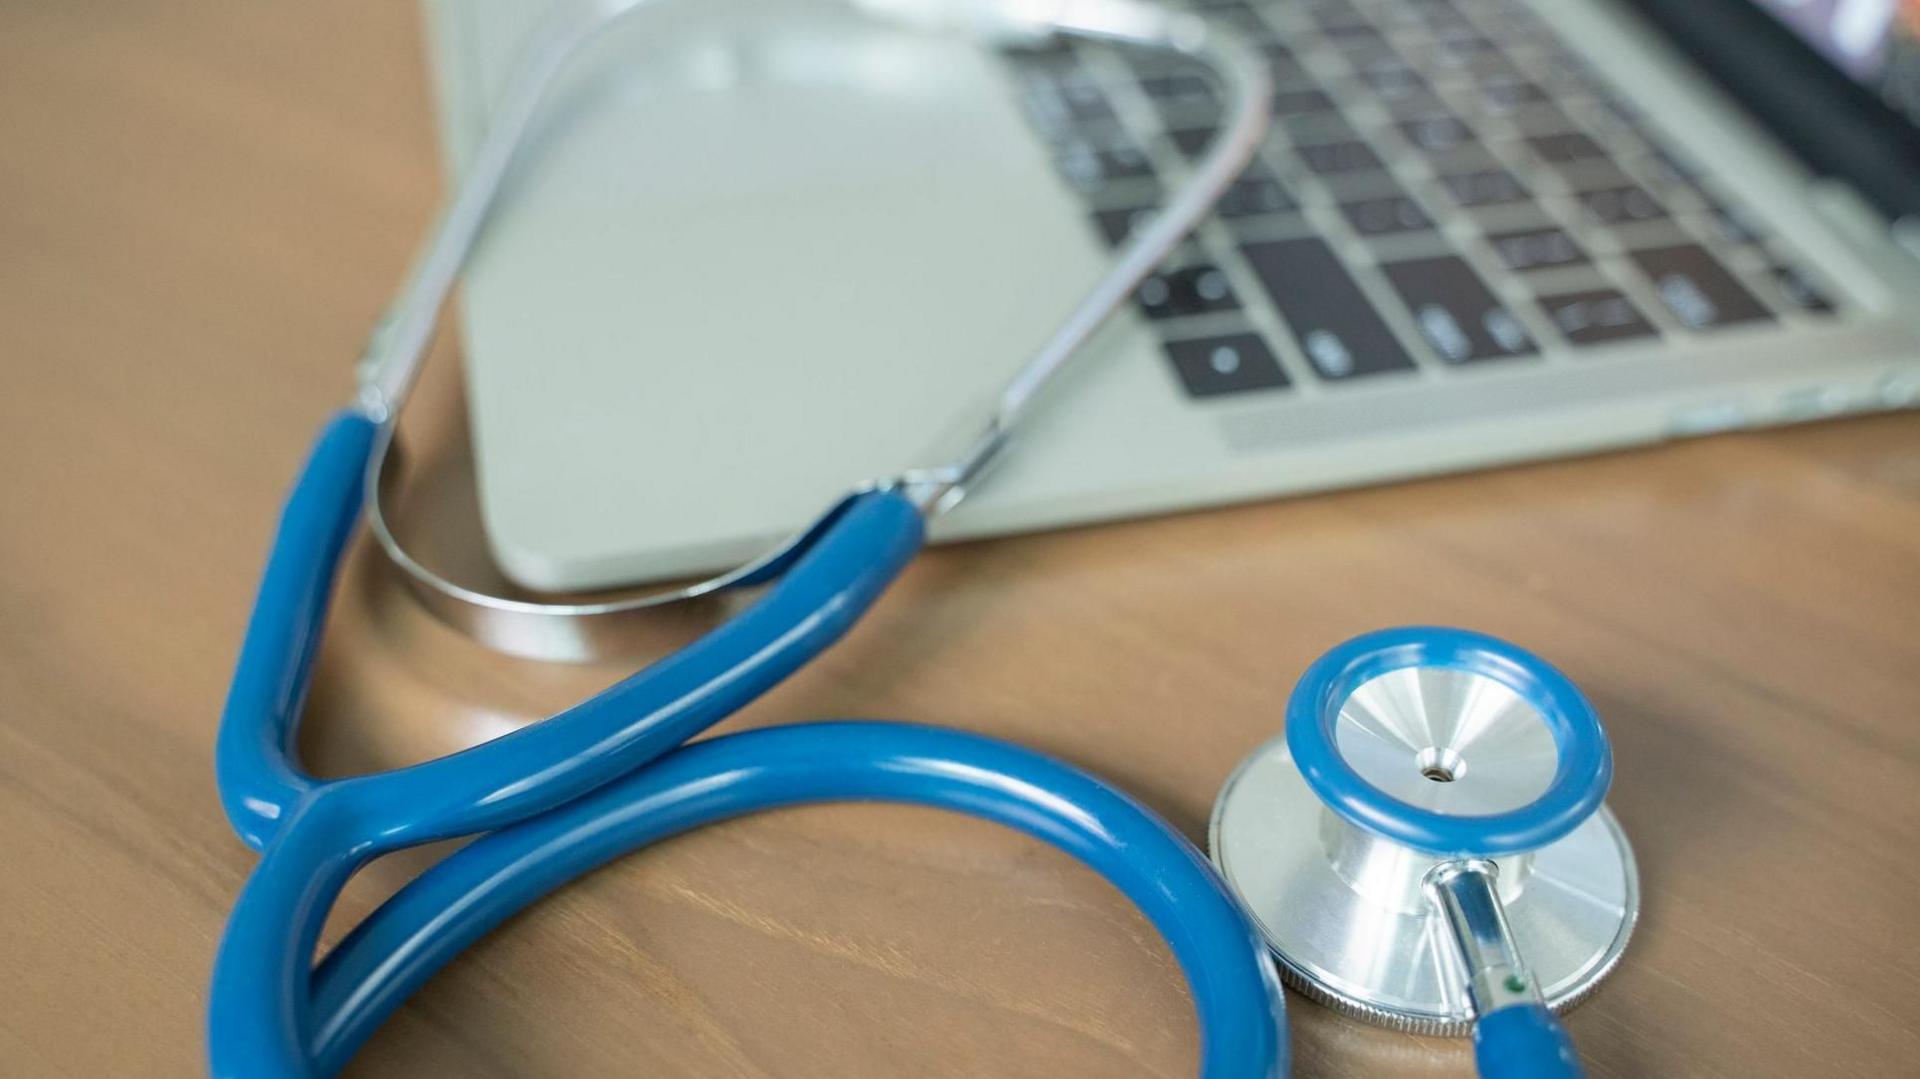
column 770, row 250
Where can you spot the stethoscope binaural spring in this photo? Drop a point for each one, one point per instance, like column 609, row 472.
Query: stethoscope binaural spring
column 592, row 629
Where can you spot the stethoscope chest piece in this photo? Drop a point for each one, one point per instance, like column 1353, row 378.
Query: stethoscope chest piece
column 1419, row 765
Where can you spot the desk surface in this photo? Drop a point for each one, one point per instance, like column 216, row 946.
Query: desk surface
column 203, row 204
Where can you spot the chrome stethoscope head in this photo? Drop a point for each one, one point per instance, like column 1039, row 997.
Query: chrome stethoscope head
column 1427, row 843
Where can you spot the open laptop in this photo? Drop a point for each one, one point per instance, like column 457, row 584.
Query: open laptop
column 769, row 249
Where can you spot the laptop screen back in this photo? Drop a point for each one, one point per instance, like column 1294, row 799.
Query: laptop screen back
column 1875, row 42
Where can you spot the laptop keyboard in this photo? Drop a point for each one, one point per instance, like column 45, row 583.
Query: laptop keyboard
column 1446, row 185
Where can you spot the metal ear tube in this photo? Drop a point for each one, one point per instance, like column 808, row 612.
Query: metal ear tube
column 575, row 630
column 1426, row 846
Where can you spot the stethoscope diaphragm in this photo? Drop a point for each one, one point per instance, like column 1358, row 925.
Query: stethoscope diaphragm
column 1407, row 752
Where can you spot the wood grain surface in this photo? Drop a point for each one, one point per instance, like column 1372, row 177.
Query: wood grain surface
column 202, row 206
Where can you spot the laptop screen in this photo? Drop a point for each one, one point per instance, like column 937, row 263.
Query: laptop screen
column 1875, row 42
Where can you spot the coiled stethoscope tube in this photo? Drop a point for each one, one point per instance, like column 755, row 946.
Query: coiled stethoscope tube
column 603, row 777
column 392, row 953
column 556, row 798
column 1341, row 856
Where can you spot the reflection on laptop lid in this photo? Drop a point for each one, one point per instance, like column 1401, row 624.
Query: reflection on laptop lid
column 1837, row 80
column 1873, row 41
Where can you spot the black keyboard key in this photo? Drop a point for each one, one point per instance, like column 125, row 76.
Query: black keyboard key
column 1698, row 290
column 1502, row 95
column 1391, row 78
column 1084, row 101
column 1183, row 99
column 1147, row 62
column 1567, row 73
column 1467, row 157
column 1337, row 17
column 1385, row 216
column 1190, row 290
column 1800, row 292
column 1446, row 22
column 1484, row 187
column 1492, row 70
column 1178, row 86
column 1116, row 225
column 1093, row 168
column 1565, row 147
column 1329, row 315
column 1535, row 249
column 1283, row 63
column 1357, row 38
column 1252, row 195
column 1620, row 205
column 1192, row 142
column 1054, row 56
column 1186, row 113
column 1055, row 102
column 1417, row 105
column 1515, row 16
column 1437, row 134
column 1456, row 313
column 1310, row 128
column 1456, row 48
column 1295, row 102
column 1340, row 158
column 1542, row 118
column 1596, row 316
column 1245, row 20
column 1594, row 175
column 1189, row 121
column 1233, row 363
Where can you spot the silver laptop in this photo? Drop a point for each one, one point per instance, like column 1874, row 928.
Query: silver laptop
column 771, row 249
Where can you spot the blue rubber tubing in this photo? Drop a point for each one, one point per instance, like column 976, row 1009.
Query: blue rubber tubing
column 1580, row 779
column 1239, row 1004
column 555, row 799
column 1524, row 1041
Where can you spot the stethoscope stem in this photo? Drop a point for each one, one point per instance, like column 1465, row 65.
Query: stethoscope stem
column 1514, row 1034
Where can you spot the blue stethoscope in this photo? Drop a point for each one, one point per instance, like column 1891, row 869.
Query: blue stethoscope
column 1511, row 765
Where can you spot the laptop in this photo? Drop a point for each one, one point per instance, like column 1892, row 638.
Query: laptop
column 771, row 249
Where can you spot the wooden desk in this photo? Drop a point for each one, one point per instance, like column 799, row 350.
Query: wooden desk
column 201, row 207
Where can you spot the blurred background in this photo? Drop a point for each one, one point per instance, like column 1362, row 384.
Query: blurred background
column 1521, row 318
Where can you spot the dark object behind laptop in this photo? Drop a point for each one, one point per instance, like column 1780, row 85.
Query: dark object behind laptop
column 1836, row 122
